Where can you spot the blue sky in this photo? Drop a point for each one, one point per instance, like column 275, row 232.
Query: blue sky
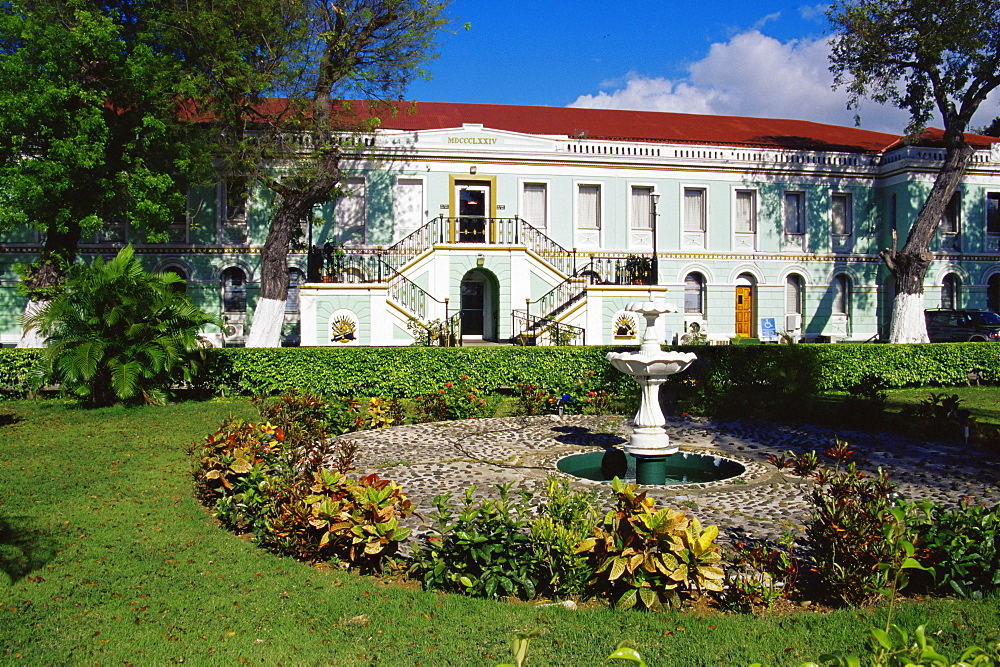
column 764, row 58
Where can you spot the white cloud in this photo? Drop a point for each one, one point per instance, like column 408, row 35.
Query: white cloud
column 813, row 12
column 756, row 75
column 767, row 19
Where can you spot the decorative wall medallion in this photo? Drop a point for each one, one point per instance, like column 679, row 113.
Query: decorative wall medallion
column 625, row 326
column 344, row 328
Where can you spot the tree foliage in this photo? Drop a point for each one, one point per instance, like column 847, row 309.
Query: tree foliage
column 368, row 50
column 118, row 333
column 88, row 136
column 921, row 56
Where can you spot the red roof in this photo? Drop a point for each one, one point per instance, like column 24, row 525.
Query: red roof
column 933, row 137
column 615, row 124
column 624, row 125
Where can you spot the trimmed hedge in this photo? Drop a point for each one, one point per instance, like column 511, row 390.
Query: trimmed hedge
column 825, row 367
column 409, row 371
column 404, row 371
column 16, row 365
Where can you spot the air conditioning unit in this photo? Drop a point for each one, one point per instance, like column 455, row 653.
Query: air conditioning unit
column 234, row 328
column 793, row 323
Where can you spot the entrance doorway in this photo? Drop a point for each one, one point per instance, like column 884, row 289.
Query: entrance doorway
column 744, row 307
column 478, row 297
column 473, row 203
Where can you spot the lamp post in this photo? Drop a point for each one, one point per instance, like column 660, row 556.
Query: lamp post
column 654, row 199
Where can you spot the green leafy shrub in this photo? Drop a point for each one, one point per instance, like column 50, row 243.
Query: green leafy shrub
column 481, row 548
column 503, row 548
column 234, row 467
column 866, row 400
column 566, row 518
column 648, row 557
column 940, row 415
column 306, row 418
column 963, row 546
column 290, row 488
column 21, row 370
column 588, row 394
column 117, row 333
column 762, row 574
column 898, row 648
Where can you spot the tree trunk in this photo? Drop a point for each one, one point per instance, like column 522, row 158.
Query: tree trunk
column 58, row 253
column 269, row 313
column 909, row 265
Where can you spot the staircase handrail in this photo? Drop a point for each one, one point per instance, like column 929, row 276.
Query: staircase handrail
column 560, row 296
column 537, row 330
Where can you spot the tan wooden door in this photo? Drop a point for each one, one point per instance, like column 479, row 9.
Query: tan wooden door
column 744, row 311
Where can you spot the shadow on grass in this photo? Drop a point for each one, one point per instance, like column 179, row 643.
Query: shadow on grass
column 8, row 419
column 23, row 549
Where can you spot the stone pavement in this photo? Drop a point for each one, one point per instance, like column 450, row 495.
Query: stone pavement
column 430, row 459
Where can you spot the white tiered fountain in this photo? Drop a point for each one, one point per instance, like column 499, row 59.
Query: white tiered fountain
column 650, row 367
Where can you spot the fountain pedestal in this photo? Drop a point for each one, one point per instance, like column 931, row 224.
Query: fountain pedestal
column 650, row 367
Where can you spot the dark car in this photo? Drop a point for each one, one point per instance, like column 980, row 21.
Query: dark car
column 945, row 325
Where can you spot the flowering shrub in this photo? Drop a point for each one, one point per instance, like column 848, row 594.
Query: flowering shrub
column 585, row 395
column 460, row 399
column 861, row 536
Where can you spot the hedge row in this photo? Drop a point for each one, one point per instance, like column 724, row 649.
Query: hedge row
column 409, row 371
column 404, row 371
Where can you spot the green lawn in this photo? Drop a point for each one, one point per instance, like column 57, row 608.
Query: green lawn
column 982, row 402
column 107, row 558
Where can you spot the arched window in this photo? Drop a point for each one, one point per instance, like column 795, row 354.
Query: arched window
column 295, row 278
column 694, row 293
column 951, row 291
column 793, row 294
column 993, row 293
column 841, row 295
column 234, row 290
column 180, row 273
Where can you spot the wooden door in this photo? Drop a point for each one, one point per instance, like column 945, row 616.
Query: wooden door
column 744, row 311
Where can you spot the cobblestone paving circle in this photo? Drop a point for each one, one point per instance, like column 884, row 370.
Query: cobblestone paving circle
column 431, row 459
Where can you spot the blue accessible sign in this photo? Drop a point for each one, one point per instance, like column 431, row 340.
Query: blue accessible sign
column 768, row 333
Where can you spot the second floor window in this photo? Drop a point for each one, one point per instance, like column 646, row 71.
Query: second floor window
column 589, row 206
column 951, row 220
column 795, row 213
column 746, row 212
column 840, row 215
column 642, row 208
column 694, row 209
column 536, row 205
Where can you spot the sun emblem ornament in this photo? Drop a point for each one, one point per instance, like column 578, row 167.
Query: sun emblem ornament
column 625, row 326
column 344, row 328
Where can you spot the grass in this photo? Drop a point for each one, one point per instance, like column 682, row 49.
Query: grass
column 107, row 558
column 982, row 402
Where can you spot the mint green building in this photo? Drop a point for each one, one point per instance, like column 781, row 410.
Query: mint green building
column 539, row 225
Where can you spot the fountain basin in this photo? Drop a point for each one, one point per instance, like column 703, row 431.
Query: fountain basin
column 680, row 468
column 661, row 364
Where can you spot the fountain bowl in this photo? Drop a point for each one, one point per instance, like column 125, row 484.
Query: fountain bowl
column 662, row 364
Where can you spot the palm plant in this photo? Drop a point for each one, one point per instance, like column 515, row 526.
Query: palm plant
column 118, row 333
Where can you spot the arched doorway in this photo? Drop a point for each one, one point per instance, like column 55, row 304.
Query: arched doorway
column 744, row 305
column 478, row 303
